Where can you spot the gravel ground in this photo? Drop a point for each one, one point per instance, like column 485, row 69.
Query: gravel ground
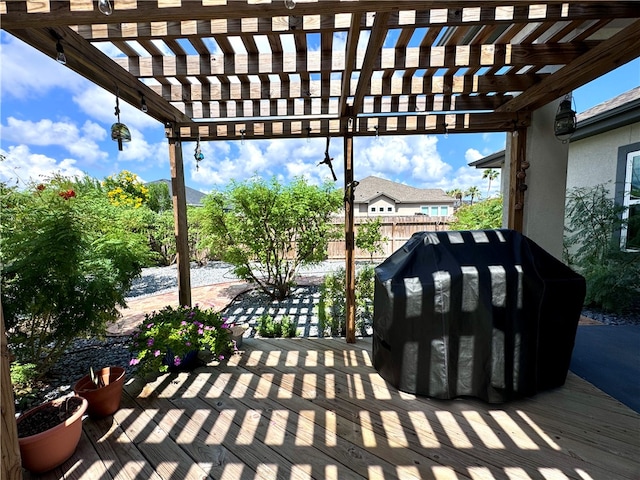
column 158, row 280
column 246, row 309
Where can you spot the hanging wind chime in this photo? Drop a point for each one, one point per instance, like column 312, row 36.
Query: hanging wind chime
column 198, row 155
column 119, row 131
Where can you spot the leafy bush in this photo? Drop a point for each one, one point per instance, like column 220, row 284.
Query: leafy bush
column 23, row 377
column 332, row 303
column 267, row 231
column 369, row 237
column 171, row 339
column 268, row 327
column 67, row 263
column 479, row 216
column 593, row 250
column 126, row 189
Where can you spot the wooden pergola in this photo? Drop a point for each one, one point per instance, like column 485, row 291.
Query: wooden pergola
column 254, row 69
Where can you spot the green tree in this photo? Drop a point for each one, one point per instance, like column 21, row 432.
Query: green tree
column 67, row 262
column 369, row 236
column 491, row 175
column 473, row 192
column 480, row 216
column 159, row 198
column 267, row 231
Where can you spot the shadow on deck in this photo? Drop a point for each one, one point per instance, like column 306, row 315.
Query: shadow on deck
column 316, row 408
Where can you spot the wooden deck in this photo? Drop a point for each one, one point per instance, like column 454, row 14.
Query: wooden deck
column 316, row 408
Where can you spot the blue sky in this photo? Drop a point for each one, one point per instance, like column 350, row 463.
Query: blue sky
column 54, row 121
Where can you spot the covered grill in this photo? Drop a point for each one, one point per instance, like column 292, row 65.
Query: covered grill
column 488, row 314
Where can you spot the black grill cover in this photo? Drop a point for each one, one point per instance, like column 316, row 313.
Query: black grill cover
column 485, row 313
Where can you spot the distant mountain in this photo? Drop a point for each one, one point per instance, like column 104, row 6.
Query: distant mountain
column 194, row 197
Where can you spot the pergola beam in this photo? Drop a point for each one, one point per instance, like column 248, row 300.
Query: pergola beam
column 608, row 55
column 428, row 13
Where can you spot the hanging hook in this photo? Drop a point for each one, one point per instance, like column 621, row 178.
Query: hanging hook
column 328, row 160
column 117, row 111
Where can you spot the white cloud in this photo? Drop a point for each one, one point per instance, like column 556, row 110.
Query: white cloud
column 100, row 104
column 28, row 73
column 21, row 167
column 471, row 155
column 79, row 142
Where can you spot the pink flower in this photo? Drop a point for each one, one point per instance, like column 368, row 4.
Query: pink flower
column 188, row 344
column 156, row 353
column 220, row 357
column 183, row 323
column 200, row 331
column 176, row 361
column 149, row 342
column 150, row 325
column 134, row 361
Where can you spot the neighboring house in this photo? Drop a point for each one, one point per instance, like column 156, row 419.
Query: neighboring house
column 379, row 197
column 194, row 197
column 605, row 149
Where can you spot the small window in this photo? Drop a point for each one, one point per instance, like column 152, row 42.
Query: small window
column 630, row 235
column 424, row 210
column 444, row 211
column 389, row 209
column 382, row 209
column 434, row 212
column 373, row 209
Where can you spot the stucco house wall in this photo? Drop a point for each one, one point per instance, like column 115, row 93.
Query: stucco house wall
column 595, row 160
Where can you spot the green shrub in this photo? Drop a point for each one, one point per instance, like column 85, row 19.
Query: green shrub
column 67, row 263
column 268, row 327
column 267, row 230
column 592, row 249
column 479, row 216
column 332, row 303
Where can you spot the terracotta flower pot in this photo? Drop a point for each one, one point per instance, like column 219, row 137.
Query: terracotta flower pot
column 47, row 450
column 103, row 401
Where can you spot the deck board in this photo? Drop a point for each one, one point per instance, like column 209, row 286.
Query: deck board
column 316, row 408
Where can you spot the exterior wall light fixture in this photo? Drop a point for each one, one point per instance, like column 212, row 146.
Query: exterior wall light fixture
column 564, row 125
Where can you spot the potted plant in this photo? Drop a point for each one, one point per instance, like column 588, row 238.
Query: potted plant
column 174, row 339
column 102, row 389
column 49, row 433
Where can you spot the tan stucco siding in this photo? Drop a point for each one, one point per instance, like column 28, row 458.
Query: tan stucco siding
column 593, row 160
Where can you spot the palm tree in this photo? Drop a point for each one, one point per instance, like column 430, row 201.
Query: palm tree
column 491, row 175
column 473, row 192
column 457, row 194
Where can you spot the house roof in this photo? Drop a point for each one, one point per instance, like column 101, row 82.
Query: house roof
column 221, row 70
column 372, row 187
column 609, row 115
column 194, row 197
column 616, row 112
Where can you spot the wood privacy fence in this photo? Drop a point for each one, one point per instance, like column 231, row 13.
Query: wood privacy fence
column 397, row 230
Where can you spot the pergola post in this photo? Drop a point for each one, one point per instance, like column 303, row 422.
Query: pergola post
column 11, row 468
column 180, row 219
column 350, row 263
column 517, row 176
